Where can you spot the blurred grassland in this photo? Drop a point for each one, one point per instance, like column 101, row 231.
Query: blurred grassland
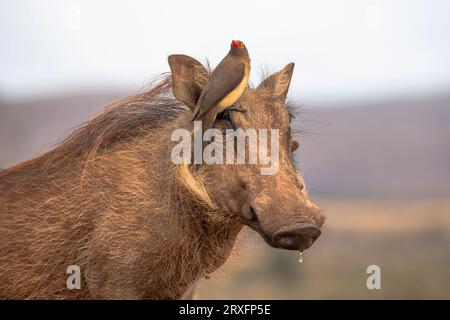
column 409, row 239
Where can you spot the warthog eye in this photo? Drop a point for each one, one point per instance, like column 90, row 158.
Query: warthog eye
column 294, row 145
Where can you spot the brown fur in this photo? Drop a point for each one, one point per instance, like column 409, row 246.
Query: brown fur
column 110, row 200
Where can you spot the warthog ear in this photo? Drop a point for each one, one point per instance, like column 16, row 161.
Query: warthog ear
column 278, row 82
column 188, row 78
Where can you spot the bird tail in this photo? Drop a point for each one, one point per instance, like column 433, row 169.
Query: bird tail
column 208, row 120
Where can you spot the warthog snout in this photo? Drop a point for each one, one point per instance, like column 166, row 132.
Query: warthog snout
column 299, row 237
column 286, row 220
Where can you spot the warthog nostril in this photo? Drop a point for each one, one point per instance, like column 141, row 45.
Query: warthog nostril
column 299, row 237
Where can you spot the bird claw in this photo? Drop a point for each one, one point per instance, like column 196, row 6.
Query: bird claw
column 238, row 109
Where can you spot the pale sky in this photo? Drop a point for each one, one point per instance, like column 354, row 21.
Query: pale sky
column 342, row 49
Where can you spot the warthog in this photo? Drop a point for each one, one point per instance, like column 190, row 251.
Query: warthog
column 110, row 200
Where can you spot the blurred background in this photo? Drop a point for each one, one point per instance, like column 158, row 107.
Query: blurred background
column 372, row 81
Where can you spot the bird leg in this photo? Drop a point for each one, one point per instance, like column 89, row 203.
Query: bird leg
column 237, row 108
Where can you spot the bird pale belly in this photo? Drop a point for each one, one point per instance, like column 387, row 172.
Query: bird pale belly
column 234, row 95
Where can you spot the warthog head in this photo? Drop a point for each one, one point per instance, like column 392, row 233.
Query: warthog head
column 275, row 205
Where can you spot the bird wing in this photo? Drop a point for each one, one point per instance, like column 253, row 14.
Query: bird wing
column 226, row 77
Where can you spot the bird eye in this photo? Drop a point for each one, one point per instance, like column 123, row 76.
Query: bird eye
column 242, row 45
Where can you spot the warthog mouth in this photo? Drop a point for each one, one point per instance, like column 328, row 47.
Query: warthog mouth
column 299, row 237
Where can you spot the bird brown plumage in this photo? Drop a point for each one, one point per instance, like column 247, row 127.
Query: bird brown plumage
column 225, row 85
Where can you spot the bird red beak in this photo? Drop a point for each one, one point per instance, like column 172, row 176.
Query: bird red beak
column 235, row 44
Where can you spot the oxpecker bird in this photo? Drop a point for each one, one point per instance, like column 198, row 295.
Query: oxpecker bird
column 225, row 85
